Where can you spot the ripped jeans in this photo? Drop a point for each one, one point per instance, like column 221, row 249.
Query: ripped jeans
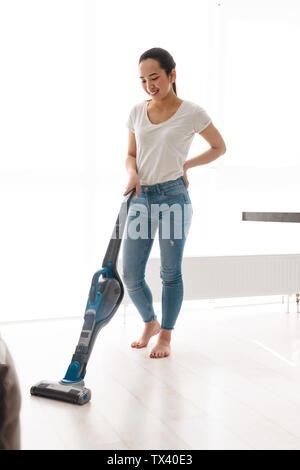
column 166, row 206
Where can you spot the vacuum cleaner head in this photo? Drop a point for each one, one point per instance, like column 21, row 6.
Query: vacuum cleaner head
column 73, row 392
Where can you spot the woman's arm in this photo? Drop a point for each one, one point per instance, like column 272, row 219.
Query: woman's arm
column 130, row 162
column 134, row 181
column 218, row 148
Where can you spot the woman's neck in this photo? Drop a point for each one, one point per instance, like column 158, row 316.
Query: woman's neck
column 170, row 101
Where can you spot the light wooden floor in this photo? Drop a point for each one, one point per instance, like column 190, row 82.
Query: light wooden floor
column 232, row 382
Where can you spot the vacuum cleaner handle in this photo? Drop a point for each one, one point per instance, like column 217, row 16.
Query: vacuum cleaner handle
column 112, row 253
column 129, row 195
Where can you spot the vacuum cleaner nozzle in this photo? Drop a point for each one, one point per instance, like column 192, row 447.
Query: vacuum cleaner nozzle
column 70, row 392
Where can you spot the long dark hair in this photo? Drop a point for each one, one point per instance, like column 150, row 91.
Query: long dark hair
column 164, row 59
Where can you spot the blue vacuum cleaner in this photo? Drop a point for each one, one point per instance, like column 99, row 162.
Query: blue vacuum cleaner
column 105, row 296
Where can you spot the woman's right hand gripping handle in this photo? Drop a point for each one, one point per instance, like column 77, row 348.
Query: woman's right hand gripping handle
column 133, row 182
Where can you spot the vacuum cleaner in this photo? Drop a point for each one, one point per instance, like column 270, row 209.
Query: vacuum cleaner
column 105, row 296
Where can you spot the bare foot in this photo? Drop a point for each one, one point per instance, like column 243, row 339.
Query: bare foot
column 162, row 347
column 151, row 329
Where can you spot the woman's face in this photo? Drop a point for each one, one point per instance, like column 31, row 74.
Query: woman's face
column 154, row 79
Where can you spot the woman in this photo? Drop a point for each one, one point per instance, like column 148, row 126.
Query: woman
column 160, row 134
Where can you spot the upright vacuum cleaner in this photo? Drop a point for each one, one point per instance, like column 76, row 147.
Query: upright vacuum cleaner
column 104, row 298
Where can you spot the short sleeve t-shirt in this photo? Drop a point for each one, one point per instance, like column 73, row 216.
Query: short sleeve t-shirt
column 162, row 148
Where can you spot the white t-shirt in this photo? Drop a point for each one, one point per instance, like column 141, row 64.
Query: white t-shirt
column 162, row 148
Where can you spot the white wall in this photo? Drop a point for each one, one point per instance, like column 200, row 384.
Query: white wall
column 69, row 76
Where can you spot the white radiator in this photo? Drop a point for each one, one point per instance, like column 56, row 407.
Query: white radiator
column 216, row 277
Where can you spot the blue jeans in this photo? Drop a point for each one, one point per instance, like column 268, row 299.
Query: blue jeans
column 166, row 206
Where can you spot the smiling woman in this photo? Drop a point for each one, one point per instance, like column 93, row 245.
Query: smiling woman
column 161, row 131
column 157, row 65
